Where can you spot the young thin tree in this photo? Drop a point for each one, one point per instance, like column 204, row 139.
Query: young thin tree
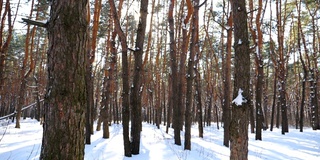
column 63, row 130
column 241, row 102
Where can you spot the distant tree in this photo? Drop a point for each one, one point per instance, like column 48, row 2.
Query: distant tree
column 240, row 106
column 304, row 67
column 6, row 35
column 65, row 101
column 91, row 52
column 24, row 73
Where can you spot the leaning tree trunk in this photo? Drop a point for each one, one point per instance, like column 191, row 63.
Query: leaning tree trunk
column 241, row 103
column 65, row 101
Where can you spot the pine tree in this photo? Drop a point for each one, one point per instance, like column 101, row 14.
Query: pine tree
column 65, row 102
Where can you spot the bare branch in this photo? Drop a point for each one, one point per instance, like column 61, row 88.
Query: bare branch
column 36, row 23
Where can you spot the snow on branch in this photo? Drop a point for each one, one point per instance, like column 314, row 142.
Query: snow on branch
column 239, row 99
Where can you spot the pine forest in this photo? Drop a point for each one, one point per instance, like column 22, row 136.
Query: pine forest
column 247, row 68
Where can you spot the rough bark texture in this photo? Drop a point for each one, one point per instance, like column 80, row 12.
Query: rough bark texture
column 65, row 102
column 239, row 121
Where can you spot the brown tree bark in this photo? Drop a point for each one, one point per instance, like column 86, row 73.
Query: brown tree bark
column 5, row 37
column 313, row 9
column 89, row 78
column 189, row 95
column 239, row 122
column 63, row 130
column 125, row 81
column 24, row 74
column 195, row 57
column 282, row 76
column 136, row 89
column 227, row 86
column 174, row 75
column 304, row 67
column 257, row 38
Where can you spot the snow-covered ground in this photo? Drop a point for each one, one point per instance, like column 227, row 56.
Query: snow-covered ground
column 25, row 144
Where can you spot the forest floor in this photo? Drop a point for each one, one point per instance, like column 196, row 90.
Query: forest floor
column 25, row 144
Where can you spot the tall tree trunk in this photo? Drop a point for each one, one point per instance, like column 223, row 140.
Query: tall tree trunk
column 89, row 77
column 189, row 96
column 63, row 130
column 136, row 89
column 260, row 73
column 125, row 81
column 282, row 67
column 314, row 65
column 195, row 57
column 24, row 74
column 174, row 75
column 304, row 67
column 227, row 87
column 5, row 37
column 239, row 122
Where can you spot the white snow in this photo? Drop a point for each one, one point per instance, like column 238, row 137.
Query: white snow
column 25, row 143
column 239, row 99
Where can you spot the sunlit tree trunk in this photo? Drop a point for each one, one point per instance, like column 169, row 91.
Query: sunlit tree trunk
column 6, row 30
column 24, row 74
column 89, row 74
